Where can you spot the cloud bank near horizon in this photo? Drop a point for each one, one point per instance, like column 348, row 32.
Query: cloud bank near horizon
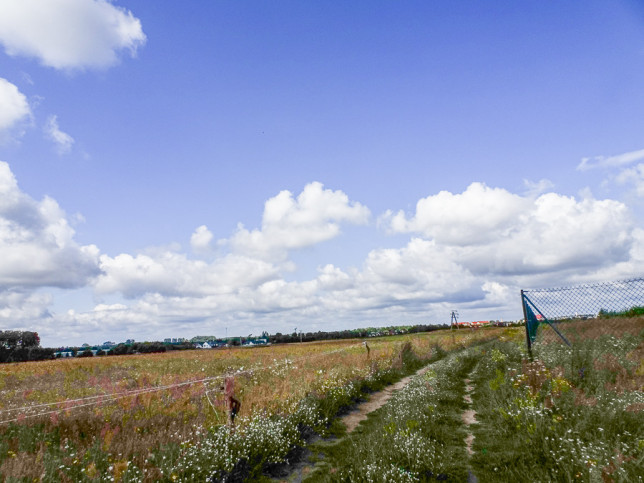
column 473, row 249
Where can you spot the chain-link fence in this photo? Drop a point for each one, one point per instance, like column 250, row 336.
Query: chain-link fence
column 568, row 315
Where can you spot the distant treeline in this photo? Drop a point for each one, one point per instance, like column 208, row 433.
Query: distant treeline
column 125, row 349
column 22, row 346
column 352, row 334
column 635, row 311
column 148, row 347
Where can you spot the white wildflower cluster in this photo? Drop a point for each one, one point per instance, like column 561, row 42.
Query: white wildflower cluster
column 571, row 448
column 378, row 473
column 262, row 438
column 526, row 411
column 308, row 414
column 281, row 367
column 621, row 401
column 324, row 384
column 345, row 392
column 414, row 451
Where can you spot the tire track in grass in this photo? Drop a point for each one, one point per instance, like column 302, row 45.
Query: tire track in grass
column 469, row 418
column 376, row 401
column 301, row 470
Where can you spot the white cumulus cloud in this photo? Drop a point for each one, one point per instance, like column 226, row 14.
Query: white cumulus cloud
column 174, row 274
column 484, row 246
column 200, row 239
column 14, row 108
column 494, row 232
column 20, row 309
column 62, row 140
column 479, row 214
column 69, row 34
column 290, row 223
column 37, row 243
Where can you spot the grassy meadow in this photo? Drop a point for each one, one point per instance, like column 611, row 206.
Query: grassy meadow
column 567, row 414
column 143, row 418
column 559, row 414
column 570, row 414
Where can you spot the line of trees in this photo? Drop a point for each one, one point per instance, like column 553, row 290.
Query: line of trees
column 280, row 338
column 635, row 311
column 125, row 348
column 21, row 346
column 147, row 348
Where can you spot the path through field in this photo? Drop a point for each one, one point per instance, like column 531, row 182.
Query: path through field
column 303, row 469
column 352, row 420
column 376, row 401
column 469, row 418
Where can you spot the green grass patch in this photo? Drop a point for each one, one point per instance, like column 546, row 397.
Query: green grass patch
column 562, row 417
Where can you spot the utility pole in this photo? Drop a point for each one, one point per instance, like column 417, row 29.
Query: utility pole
column 454, row 318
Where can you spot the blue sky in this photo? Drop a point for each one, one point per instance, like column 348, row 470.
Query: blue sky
column 171, row 170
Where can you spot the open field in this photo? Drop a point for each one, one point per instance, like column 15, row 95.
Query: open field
column 569, row 414
column 144, row 418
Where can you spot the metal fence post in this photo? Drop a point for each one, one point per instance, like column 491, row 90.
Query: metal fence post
column 525, row 321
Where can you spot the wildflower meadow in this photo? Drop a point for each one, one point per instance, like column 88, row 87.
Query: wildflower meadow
column 480, row 404
column 159, row 417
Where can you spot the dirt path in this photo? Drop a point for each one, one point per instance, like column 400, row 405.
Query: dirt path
column 352, row 420
column 469, row 418
column 376, row 401
column 302, row 468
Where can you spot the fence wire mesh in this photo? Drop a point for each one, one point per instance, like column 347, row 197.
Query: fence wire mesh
column 567, row 315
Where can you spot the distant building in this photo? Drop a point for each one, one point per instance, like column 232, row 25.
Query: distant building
column 174, row 340
column 478, row 323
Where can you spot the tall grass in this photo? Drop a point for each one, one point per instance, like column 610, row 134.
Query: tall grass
column 572, row 414
column 150, row 436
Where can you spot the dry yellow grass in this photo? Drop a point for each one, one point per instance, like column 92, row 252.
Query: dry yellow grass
column 271, row 379
column 591, row 329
